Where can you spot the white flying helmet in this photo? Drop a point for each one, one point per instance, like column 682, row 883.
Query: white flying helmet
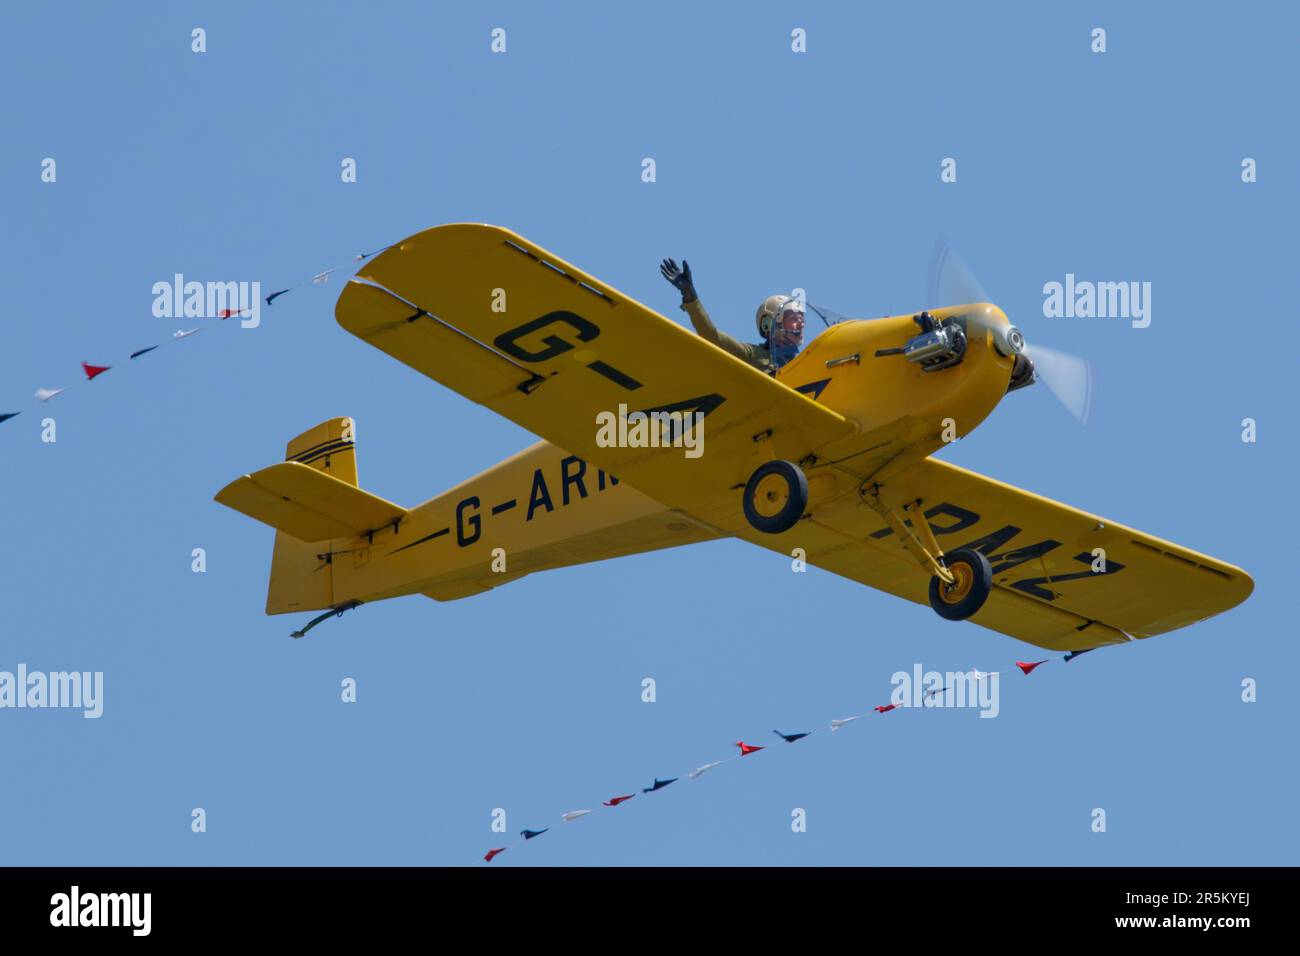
column 773, row 306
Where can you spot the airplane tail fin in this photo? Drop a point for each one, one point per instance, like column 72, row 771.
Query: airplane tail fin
column 313, row 502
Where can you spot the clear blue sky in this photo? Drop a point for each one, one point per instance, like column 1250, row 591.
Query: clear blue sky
column 774, row 170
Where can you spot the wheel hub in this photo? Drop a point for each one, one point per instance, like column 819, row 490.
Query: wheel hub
column 963, row 577
column 771, row 495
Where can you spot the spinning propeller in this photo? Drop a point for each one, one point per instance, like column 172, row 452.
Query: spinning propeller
column 1068, row 377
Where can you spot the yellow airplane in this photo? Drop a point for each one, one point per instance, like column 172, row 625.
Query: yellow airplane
column 830, row 456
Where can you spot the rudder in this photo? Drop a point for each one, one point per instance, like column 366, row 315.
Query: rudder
column 302, row 575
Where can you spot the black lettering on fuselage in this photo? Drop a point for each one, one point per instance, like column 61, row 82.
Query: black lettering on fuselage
column 475, row 522
column 539, row 495
column 575, row 478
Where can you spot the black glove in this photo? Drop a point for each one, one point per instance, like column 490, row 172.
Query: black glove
column 680, row 278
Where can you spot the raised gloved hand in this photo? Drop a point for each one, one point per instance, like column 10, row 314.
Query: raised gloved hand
column 680, row 278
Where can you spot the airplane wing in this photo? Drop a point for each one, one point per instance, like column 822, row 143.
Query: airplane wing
column 515, row 328
column 1063, row 579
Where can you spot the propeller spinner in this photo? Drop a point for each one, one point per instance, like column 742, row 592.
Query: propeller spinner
column 1067, row 377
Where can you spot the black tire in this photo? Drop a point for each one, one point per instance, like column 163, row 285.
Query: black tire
column 780, row 501
column 974, row 583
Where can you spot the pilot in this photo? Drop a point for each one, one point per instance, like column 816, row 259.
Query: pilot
column 779, row 319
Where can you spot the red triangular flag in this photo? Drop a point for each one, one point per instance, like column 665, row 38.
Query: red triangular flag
column 885, row 708
column 93, row 370
column 493, row 852
column 747, row 749
column 615, row 801
column 1028, row 666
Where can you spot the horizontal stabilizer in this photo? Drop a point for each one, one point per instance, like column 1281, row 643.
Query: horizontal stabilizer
column 308, row 504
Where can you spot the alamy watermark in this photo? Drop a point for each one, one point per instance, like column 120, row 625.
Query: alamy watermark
column 83, row 690
column 653, row 429
column 129, row 910
column 922, row 688
column 1073, row 299
column 179, row 299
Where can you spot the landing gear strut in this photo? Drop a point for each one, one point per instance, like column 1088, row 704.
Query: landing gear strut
column 960, row 582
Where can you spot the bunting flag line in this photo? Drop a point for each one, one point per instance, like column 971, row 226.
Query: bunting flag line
column 746, row 749
column 976, row 674
column 321, row 278
column 94, row 371
column 705, row 769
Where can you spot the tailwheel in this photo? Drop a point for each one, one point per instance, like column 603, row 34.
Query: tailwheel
column 776, row 496
column 972, row 582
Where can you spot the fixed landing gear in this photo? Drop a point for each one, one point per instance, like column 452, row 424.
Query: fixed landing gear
column 775, row 496
column 972, row 582
column 960, row 582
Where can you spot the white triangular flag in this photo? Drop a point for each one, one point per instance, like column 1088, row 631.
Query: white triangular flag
column 699, row 770
column 573, row 815
column 180, row 334
column 837, row 724
column 320, row 279
column 45, row 394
